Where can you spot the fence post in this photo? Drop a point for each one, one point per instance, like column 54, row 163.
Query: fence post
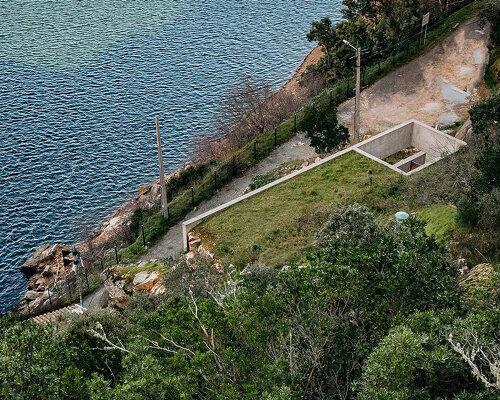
column 69, row 289
column 116, row 256
column 275, row 138
column 86, row 277
column 143, row 238
column 192, row 196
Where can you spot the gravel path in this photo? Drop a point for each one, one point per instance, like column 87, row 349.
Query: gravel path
column 171, row 244
column 436, row 88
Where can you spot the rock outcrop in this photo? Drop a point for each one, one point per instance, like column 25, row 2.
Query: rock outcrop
column 48, row 279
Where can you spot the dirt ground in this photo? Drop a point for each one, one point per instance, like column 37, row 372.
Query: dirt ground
column 293, row 85
column 437, row 88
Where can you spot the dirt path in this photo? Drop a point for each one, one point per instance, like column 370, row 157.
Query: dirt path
column 171, row 244
column 436, row 88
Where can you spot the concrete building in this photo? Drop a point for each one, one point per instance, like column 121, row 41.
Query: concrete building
column 424, row 145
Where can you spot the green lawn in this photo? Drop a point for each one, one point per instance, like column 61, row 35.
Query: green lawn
column 278, row 225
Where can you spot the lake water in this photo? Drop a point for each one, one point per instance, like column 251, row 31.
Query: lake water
column 81, row 81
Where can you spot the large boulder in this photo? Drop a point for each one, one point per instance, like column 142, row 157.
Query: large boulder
column 32, row 295
column 44, row 269
column 117, row 295
column 140, row 277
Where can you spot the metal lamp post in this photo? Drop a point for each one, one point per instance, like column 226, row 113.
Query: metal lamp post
column 76, row 262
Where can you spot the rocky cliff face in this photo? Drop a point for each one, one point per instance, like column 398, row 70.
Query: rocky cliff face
column 112, row 229
column 48, row 279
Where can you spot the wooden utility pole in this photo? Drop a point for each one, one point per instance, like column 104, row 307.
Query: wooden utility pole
column 357, row 103
column 164, row 204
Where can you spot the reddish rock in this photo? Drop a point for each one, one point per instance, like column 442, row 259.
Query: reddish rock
column 146, row 281
column 158, row 289
column 41, row 255
column 117, row 295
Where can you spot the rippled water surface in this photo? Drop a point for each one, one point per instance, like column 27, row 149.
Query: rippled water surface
column 81, row 81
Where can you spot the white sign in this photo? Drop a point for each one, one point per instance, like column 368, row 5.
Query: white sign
column 425, row 19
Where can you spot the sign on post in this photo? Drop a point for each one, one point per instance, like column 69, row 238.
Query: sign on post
column 425, row 22
column 425, row 19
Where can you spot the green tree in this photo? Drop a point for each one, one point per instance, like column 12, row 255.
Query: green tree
column 490, row 11
column 323, row 129
column 417, row 361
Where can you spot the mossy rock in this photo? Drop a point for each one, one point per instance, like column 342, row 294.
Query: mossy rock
column 477, row 277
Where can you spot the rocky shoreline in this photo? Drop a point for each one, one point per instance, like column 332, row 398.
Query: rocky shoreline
column 50, row 280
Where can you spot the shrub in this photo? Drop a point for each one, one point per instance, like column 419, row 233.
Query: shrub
column 411, row 365
column 485, row 113
column 354, row 222
column 489, row 218
column 405, row 269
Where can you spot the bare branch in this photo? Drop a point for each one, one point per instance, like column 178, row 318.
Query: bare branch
column 470, row 350
column 99, row 333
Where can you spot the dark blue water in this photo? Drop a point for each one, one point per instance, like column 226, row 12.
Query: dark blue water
column 81, row 81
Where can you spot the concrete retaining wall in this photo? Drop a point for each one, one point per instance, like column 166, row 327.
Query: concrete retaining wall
column 389, row 142
column 436, row 144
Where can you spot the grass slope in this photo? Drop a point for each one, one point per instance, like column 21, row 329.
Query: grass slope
column 440, row 220
column 278, row 225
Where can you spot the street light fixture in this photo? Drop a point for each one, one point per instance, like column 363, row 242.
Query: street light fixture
column 349, row 44
column 357, row 104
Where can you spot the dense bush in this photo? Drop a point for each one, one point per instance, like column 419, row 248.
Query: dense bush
column 417, row 361
column 480, row 185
